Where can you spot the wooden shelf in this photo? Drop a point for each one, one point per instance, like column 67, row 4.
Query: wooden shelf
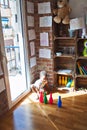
column 64, row 64
column 81, row 57
column 64, row 38
column 60, row 72
column 62, row 88
column 68, row 59
column 64, row 55
column 81, row 79
column 80, row 76
column 81, row 39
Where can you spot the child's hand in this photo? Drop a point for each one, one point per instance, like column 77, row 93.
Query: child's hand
column 43, row 83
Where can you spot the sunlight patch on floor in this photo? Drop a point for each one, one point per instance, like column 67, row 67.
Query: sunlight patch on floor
column 32, row 96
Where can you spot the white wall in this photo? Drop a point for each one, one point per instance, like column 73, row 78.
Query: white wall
column 77, row 7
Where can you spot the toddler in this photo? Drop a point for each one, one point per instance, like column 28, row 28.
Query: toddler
column 41, row 84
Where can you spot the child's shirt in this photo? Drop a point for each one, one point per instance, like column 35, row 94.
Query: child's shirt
column 38, row 83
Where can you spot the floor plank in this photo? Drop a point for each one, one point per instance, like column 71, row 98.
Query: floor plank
column 32, row 115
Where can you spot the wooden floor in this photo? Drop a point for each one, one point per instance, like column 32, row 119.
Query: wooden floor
column 31, row 115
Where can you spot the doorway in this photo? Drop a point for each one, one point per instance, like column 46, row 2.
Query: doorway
column 15, row 49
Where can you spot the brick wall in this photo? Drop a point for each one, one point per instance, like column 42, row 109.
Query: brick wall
column 41, row 63
column 3, row 102
column 33, row 69
column 3, row 93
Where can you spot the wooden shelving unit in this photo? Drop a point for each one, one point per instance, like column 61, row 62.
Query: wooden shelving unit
column 64, row 56
column 67, row 53
column 81, row 77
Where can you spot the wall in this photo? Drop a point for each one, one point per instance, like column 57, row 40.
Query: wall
column 3, row 93
column 77, row 7
column 3, row 102
column 41, row 63
column 29, row 13
column 44, row 63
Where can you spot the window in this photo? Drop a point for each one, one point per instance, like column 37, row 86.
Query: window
column 16, row 18
column 17, row 38
column 4, row 3
column 4, row 22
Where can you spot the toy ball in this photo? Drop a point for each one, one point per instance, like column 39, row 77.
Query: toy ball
column 85, row 48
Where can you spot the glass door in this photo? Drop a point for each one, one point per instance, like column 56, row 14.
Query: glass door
column 15, row 49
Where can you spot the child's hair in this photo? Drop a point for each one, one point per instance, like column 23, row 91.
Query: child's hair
column 42, row 73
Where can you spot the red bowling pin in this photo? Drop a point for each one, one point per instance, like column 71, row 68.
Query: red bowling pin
column 50, row 99
column 41, row 97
